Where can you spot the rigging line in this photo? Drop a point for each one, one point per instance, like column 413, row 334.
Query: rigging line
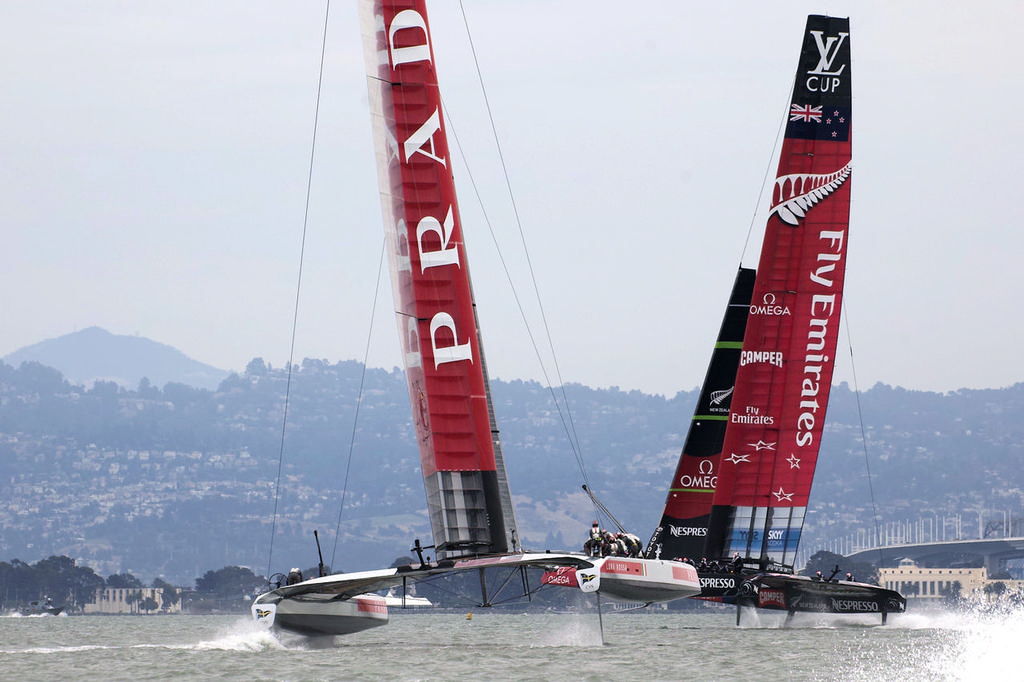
column 515, row 293
column 574, row 438
column 598, row 504
column 359, row 402
column 298, row 289
column 863, row 434
column 779, row 135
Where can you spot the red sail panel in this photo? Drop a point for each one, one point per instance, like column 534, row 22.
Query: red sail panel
column 782, row 385
column 430, row 281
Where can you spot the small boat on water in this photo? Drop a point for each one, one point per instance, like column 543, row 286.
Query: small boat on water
column 42, row 607
column 399, row 601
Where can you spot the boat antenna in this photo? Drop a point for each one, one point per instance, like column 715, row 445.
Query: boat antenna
column 298, row 289
column 597, row 503
column 320, row 554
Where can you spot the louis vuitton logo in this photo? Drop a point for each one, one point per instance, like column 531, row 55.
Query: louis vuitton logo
column 828, row 49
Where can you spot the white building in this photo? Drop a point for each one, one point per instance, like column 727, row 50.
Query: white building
column 129, row 600
column 935, row 584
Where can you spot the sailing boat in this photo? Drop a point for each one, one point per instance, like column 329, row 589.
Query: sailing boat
column 739, row 493
column 468, row 500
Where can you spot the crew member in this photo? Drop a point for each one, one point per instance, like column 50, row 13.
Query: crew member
column 633, row 545
column 592, row 547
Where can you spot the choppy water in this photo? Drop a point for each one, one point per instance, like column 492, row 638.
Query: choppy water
column 492, row 645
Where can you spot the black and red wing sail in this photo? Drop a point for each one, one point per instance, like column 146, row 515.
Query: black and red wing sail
column 467, row 495
column 785, row 370
column 684, row 523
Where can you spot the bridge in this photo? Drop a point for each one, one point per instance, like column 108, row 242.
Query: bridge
column 992, row 554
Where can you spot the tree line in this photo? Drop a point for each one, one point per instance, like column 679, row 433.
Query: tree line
column 67, row 584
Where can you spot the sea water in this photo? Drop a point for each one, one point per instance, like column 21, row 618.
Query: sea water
column 491, row 645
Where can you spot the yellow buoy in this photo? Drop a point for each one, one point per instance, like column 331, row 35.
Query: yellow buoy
column 469, row 616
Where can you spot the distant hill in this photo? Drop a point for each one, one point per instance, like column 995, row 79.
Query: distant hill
column 92, row 354
column 129, row 480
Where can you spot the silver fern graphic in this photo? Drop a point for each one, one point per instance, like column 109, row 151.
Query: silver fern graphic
column 798, row 193
column 718, row 397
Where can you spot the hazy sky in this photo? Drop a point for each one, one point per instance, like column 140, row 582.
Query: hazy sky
column 155, row 158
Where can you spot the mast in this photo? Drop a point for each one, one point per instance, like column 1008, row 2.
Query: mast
column 468, row 498
column 684, row 522
column 785, row 370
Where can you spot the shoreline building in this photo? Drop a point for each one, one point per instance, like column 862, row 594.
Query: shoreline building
column 933, row 585
column 130, row 600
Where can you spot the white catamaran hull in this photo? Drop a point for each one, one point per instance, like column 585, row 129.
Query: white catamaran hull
column 646, row 580
column 630, row 579
column 316, row 614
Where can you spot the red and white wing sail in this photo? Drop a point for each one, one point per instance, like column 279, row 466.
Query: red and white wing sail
column 467, row 495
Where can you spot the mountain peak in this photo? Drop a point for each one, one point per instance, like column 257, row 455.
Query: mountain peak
column 94, row 354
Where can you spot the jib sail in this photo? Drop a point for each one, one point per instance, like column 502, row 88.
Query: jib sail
column 684, row 523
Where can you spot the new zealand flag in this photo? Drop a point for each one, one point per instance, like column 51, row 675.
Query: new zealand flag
column 818, row 122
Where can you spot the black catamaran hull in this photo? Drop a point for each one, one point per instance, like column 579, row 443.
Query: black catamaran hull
column 794, row 594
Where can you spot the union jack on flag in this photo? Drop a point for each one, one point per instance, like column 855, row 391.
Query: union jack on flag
column 805, row 113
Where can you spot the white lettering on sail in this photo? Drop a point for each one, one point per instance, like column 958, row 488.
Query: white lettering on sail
column 822, row 310
column 404, row 20
column 424, row 135
column 816, row 84
column 769, row 306
column 823, row 77
column 454, row 353
column 701, row 482
column 687, row 531
column 835, row 238
column 705, row 478
column 752, row 419
column 444, row 255
column 436, row 236
column 752, row 415
column 748, row 357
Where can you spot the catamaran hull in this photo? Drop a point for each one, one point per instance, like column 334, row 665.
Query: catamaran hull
column 319, row 615
column 647, row 580
column 629, row 579
column 799, row 594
